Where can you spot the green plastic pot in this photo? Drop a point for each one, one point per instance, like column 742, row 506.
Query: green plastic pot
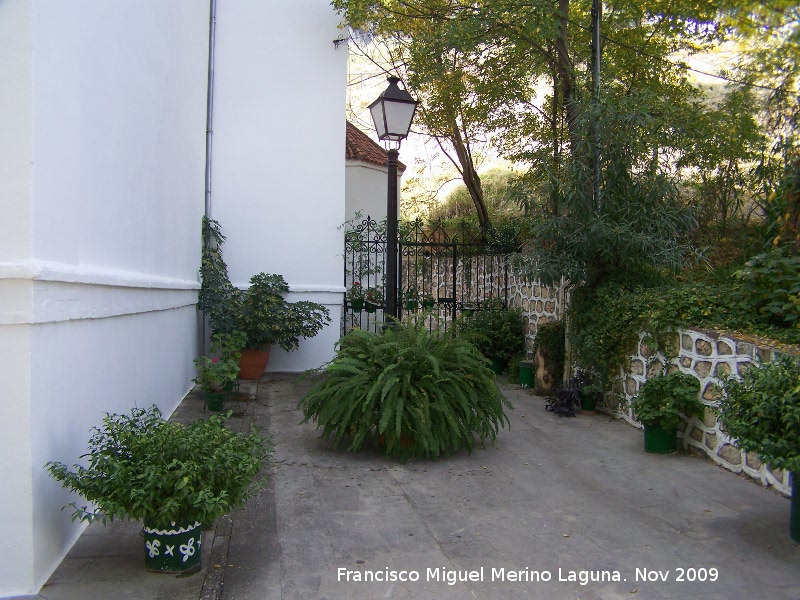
column 588, row 400
column 174, row 549
column 526, row 373
column 659, row 441
column 358, row 305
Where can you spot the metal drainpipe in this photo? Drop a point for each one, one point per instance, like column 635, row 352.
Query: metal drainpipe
column 212, row 27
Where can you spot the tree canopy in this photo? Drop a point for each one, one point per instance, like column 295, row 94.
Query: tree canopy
column 516, row 74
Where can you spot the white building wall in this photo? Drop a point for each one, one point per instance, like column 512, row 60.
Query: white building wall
column 367, row 187
column 278, row 161
column 102, row 108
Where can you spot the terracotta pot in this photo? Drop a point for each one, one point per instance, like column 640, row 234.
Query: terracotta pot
column 252, row 363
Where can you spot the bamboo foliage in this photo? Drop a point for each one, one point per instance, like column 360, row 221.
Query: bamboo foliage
column 417, row 394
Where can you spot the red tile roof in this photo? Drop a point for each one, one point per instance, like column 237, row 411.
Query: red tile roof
column 359, row 146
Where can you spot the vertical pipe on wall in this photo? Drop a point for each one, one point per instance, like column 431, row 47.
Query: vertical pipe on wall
column 212, row 29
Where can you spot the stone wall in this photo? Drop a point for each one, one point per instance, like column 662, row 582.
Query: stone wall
column 539, row 303
column 710, row 357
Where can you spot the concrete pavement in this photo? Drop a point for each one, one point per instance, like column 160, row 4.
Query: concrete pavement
column 558, row 508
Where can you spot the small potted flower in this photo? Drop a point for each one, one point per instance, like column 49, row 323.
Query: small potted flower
column 411, row 298
column 428, row 301
column 355, row 295
column 373, row 299
column 214, row 376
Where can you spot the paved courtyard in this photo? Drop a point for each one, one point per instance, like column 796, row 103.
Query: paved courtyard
column 558, row 508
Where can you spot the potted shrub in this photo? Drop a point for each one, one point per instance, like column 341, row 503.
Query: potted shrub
column 761, row 413
column 588, row 391
column 428, row 301
column 260, row 312
column 373, row 299
column 659, row 406
column 411, row 392
column 172, row 476
column 217, row 376
column 355, row 295
column 266, row 318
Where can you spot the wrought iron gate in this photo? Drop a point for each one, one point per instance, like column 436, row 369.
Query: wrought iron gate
column 443, row 272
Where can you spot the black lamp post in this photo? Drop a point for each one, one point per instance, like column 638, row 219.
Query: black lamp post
column 392, row 114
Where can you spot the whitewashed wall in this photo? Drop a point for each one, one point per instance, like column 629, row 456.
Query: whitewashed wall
column 279, row 143
column 102, row 109
column 367, row 187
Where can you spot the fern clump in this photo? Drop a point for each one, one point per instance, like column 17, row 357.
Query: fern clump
column 417, row 394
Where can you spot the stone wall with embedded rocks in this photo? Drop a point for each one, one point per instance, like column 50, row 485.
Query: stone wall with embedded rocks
column 710, row 357
column 539, row 303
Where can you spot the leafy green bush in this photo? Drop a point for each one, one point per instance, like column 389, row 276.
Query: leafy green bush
column 420, row 394
column 771, row 286
column 661, row 400
column 761, row 412
column 267, row 318
column 498, row 332
column 260, row 312
column 143, row 467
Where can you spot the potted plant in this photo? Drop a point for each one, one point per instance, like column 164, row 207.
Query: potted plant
column 411, row 298
column 260, row 312
column 217, row 376
column 588, row 392
column 172, row 476
column 355, row 295
column 761, row 413
column 266, row 318
column 428, row 301
column 659, row 406
column 373, row 299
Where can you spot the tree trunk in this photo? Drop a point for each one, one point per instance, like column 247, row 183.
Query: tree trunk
column 470, row 175
column 566, row 75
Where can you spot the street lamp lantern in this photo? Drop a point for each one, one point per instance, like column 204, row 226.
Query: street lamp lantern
column 392, row 114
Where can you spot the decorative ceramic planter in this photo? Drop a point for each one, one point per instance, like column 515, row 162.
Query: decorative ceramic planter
column 659, row 441
column 252, row 363
column 172, row 550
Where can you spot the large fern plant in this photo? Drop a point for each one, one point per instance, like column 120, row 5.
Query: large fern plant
column 417, row 394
